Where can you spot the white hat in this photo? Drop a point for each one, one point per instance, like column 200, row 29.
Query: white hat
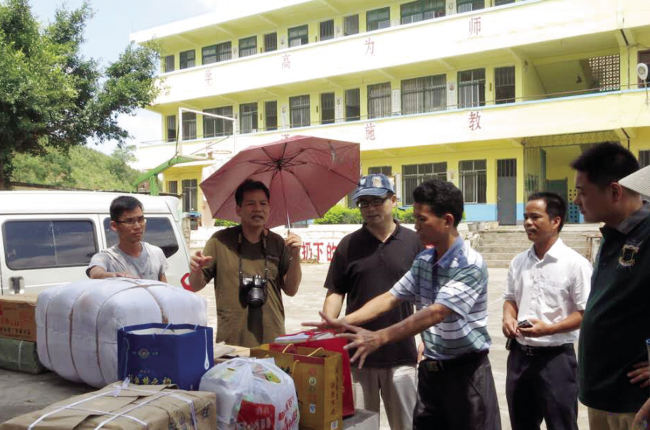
column 638, row 181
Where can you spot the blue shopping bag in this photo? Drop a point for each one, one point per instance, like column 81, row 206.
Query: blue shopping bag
column 152, row 354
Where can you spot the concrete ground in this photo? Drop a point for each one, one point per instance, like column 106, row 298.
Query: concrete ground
column 21, row 393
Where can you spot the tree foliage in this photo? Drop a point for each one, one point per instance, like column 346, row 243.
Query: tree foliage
column 341, row 215
column 81, row 167
column 54, row 99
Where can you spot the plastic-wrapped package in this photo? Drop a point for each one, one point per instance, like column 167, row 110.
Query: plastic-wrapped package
column 77, row 323
column 252, row 393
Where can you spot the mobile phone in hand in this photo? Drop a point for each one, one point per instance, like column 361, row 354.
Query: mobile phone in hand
column 524, row 324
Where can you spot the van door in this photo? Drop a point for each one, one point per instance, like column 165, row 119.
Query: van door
column 160, row 231
column 41, row 251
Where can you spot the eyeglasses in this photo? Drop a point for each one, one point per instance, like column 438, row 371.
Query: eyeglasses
column 131, row 221
column 375, row 202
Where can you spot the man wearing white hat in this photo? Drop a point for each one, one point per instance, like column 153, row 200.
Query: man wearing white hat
column 612, row 357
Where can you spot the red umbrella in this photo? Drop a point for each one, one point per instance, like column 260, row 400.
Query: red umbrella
column 305, row 175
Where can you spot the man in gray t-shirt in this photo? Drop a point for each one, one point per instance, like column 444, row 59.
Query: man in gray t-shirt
column 130, row 258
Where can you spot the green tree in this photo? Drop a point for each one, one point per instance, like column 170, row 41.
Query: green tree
column 51, row 97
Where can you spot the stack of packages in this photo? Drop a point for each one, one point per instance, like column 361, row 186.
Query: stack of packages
column 320, row 369
column 139, row 341
column 18, row 349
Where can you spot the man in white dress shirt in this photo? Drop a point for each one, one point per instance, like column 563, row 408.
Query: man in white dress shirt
column 547, row 286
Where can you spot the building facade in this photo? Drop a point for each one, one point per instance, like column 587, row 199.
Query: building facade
column 497, row 96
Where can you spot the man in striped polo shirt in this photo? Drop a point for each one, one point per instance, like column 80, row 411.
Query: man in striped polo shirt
column 448, row 285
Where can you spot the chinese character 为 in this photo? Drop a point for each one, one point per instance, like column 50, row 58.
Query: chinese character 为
column 370, row 47
column 370, row 131
column 208, row 76
column 286, row 63
column 474, row 26
column 474, row 120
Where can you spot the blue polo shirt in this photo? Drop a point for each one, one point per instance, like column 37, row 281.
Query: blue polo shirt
column 459, row 282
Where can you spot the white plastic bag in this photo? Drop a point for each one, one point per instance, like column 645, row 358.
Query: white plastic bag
column 252, row 393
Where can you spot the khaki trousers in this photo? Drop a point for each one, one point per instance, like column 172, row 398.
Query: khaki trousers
column 602, row 420
column 397, row 386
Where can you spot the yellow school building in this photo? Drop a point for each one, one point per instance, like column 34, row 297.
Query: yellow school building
column 497, row 96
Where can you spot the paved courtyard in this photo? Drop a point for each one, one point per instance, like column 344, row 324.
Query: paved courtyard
column 29, row 392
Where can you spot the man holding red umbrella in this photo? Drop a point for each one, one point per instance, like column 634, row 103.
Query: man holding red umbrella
column 251, row 267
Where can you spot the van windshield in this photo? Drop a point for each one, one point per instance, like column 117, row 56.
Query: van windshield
column 158, row 232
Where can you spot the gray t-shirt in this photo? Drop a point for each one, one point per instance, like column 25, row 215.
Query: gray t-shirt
column 151, row 263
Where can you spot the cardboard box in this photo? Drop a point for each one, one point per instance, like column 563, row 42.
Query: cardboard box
column 154, row 407
column 18, row 317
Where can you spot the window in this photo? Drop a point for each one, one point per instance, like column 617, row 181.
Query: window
column 502, row 2
column 473, row 181
column 421, row 10
column 327, row 108
column 248, row 46
column 384, row 170
column 644, row 158
column 469, row 5
column 425, row 94
column 644, row 57
column 504, row 84
column 248, row 118
column 327, row 30
column 270, row 42
column 189, row 125
column 171, row 128
column 414, row 174
column 605, row 72
column 209, row 54
column 187, row 59
column 172, row 187
column 189, row 195
column 352, row 105
column 471, row 88
column 379, row 100
column 224, row 51
column 298, row 36
column 159, row 232
column 169, row 63
column 299, row 107
column 351, row 25
column 217, row 126
column 378, row 18
column 271, row 115
column 48, row 243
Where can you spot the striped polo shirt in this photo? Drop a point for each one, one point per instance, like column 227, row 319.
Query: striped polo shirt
column 459, row 282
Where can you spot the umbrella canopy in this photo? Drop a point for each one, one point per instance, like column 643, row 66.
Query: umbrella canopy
column 305, row 175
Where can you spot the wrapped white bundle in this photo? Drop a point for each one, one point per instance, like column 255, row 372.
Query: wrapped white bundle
column 77, row 323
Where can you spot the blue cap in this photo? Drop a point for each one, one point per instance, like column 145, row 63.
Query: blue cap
column 373, row 185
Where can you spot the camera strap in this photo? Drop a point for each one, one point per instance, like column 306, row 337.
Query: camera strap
column 239, row 252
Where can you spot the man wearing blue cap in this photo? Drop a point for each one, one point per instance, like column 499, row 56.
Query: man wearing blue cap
column 366, row 264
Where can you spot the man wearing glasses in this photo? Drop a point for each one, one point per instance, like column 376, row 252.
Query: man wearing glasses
column 366, row 264
column 130, row 257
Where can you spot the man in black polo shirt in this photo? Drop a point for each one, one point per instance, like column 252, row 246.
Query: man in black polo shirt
column 612, row 357
column 367, row 263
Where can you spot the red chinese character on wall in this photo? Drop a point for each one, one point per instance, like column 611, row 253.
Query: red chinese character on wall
column 474, row 120
column 208, row 76
column 474, row 26
column 286, row 62
column 370, row 131
column 370, row 47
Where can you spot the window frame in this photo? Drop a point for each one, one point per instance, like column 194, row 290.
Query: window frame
column 167, row 66
column 7, row 242
column 172, row 189
column 384, row 100
column 461, row 3
column 323, row 25
column 224, row 51
column 189, row 118
column 350, row 108
column 274, row 125
column 474, row 81
column 221, row 127
column 350, row 20
column 377, row 22
column 426, row 89
column 500, row 85
column 192, row 201
column 644, row 158
column 213, row 56
column 302, row 37
column 171, row 120
column 247, row 51
column 185, row 60
column 252, row 114
column 297, row 106
column 331, row 111
column 423, row 172
column 423, row 10
column 267, row 38
column 478, row 177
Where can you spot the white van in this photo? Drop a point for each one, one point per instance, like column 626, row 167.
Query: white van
column 48, row 237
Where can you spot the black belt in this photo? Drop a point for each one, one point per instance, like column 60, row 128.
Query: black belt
column 544, row 350
column 442, row 365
